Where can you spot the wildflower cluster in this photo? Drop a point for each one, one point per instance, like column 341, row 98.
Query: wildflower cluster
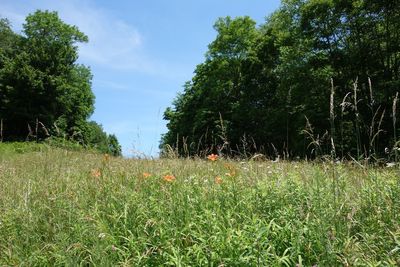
column 169, row 178
column 212, row 157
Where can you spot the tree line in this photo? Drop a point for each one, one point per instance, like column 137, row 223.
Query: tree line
column 317, row 77
column 43, row 90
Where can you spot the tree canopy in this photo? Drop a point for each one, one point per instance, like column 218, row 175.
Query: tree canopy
column 43, row 90
column 318, row 76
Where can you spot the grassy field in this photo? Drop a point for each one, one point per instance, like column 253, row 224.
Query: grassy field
column 60, row 207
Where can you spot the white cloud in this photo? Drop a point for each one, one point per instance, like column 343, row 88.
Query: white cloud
column 112, row 42
column 110, row 85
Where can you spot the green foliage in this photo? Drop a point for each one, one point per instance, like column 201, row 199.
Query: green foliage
column 12, row 149
column 91, row 134
column 60, row 207
column 43, row 91
column 114, row 147
column 209, row 106
column 8, row 41
column 257, row 86
column 41, row 81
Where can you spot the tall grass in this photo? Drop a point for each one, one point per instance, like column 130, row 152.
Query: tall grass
column 61, row 207
column 394, row 116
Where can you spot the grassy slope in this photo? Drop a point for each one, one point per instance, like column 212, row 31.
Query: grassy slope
column 54, row 210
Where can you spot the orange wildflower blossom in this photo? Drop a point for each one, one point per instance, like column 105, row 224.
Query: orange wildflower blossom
column 212, row 157
column 218, row 180
column 95, row 173
column 146, row 175
column 169, row 178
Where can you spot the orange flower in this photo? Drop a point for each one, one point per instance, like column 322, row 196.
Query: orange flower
column 95, row 173
column 212, row 157
column 146, row 175
column 218, row 180
column 169, row 178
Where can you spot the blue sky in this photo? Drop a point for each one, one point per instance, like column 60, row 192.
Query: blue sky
column 140, row 53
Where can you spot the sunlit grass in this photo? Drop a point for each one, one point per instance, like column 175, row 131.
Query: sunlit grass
column 59, row 207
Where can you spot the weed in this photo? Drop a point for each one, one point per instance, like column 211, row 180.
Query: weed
column 63, row 207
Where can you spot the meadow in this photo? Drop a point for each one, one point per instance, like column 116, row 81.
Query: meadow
column 61, row 207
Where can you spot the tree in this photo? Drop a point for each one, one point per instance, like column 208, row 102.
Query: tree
column 43, row 90
column 113, row 146
column 204, row 112
column 264, row 85
column 41, row 81
column 9, row 42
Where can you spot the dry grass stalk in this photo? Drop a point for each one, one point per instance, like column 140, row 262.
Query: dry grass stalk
column 185, row 146
column 30, row 132
column 355, row 106
column 37, row 128
column 44, row 128
column 223, row 136
column 169, row 152
column 57, row 129
column 315, row 140
column 379, row 130
column 394, row 109
column 332, row 118
column 343, row 106
column 370, row 92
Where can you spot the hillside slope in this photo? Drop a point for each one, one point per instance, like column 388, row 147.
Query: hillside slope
column 61, row 207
